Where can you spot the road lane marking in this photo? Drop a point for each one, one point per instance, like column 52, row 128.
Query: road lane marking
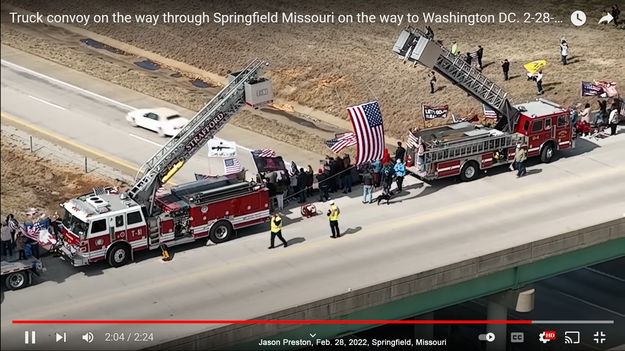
column 68, row 142
column 47, row 102
column 74, row 144
column 85, row 91
column 146, row 140
column 255, row 260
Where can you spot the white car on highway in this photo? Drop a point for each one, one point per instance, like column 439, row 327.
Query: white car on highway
column 164, row 121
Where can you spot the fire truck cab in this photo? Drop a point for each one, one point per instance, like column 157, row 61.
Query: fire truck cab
column 102, row 225
column 547, row 127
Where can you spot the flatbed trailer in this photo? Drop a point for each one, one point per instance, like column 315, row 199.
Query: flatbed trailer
column 18, row 274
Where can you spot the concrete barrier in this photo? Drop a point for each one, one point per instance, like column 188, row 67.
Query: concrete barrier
column 338, row 306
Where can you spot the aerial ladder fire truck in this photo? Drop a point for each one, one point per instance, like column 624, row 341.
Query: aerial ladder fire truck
column 465, row 149
column 111, row 225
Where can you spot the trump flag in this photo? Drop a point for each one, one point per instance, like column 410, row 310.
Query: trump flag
column 369, row 131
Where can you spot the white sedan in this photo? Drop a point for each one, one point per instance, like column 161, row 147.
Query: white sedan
column 164, row 121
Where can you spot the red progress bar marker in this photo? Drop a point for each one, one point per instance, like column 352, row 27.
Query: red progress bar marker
column 270, row 322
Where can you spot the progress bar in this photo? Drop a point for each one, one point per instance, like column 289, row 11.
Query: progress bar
column 313, row 322
column 573, row 322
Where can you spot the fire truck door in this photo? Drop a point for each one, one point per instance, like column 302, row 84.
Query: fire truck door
column 117, row 227
column 563, row 132
column 538, row 135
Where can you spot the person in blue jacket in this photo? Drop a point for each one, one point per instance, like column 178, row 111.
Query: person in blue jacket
column 377, row 173
column 400, row 172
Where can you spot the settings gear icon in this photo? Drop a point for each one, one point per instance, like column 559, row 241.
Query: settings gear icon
column 542, row 338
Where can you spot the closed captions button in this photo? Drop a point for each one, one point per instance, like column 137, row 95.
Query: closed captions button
column 517, row 337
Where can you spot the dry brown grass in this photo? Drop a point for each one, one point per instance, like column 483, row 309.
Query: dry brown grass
column 333, row 66
column 31, row 181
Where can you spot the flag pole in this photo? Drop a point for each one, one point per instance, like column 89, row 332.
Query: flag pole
column 423, row 114
column 339, row 95
column 372, row 93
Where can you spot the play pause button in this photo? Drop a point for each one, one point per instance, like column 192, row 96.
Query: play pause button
column 30, row 337
column 61, row 337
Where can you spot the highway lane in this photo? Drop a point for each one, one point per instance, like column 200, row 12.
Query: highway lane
column 64, row 111
column 61, row 108
column 428, row 226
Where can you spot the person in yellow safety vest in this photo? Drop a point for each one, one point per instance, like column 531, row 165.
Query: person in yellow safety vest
column 333, row 215
column 276, row 230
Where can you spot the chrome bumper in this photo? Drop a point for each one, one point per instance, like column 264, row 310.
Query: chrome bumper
column 75, row 259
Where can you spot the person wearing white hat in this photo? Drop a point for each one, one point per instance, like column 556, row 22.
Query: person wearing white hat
column 400, row 172
column 333, row 216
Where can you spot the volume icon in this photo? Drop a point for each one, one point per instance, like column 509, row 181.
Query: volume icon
column 88, row 337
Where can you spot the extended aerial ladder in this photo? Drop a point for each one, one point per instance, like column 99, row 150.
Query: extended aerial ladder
column 243, row 87
column 433, row 55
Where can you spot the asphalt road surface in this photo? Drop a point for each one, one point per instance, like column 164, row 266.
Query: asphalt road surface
column 80, row 115
column 426, row 226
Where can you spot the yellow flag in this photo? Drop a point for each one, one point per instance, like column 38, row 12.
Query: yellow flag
column 534, row 66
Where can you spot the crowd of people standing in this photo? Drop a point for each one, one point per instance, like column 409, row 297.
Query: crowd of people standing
column 585, row 123
column 15, row 240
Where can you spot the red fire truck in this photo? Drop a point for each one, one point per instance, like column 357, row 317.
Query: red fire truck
column 464, row 148
column 109, row 225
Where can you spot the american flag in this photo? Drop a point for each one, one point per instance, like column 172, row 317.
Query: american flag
column 489, row 112
column 412, row 140
column 369, row 130
column 40, row 234
column 232, row 165
column 265, row 153
column 342, row 141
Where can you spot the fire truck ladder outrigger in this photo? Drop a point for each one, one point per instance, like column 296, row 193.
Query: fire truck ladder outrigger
column 202, row 127
column 433, row 55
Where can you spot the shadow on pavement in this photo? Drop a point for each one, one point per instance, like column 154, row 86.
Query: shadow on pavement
column 582, row 146
column 352, row 230
column 295, row 241
column 533, row 171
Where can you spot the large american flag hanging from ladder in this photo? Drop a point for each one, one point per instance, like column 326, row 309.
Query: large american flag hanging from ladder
column 369, row 130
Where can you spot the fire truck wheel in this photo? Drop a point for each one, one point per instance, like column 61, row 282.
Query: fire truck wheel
column 118, row 255
column 16, row 280
column 469, row 172
column 547, row 153
column 221, row 232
